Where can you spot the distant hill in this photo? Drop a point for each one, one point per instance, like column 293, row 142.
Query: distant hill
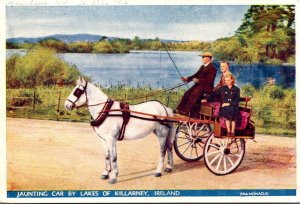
column 71, row 38
column 65, row 38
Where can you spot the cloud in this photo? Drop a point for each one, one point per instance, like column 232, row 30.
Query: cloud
column 126, row 25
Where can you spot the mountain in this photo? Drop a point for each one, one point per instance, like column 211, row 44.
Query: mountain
column 72, row 38
column 65, row 38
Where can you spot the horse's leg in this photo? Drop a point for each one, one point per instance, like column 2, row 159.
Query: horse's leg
column 169, row 145
column 105, row 174
column 162, row 138
column 113, row 161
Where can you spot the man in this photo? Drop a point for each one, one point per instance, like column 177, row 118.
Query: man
column 224, row 66
column 204, row 83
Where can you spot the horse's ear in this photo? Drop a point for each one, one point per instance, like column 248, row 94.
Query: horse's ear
column 82, row 80
column 78, row 81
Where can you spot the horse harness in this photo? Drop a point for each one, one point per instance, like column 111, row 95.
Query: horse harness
column 124, row 108
column 105, row 112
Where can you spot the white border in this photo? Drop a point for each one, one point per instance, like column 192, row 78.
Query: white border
column 3, row 192
column 2, row 104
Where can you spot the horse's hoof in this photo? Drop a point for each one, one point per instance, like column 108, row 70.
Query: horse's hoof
column 104, row 177
column 113, row 181
column 157, row 174
column 168, row 170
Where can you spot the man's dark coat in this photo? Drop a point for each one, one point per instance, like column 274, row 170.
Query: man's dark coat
column 190, row 102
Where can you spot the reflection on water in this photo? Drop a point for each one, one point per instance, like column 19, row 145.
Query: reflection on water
column 155, row 68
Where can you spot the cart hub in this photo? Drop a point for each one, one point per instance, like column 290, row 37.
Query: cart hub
column 226, row 151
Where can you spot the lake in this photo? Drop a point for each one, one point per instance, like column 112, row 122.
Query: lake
column 155, row 69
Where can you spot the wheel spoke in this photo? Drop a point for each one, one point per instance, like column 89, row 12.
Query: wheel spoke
column 211, row 153
column 225, row 164
column 239, row 156
column 232, row 164
column 186, row 148
column 219, row 162
column 185, row 134
column 218, row 142
column 183, row 144
column 223, row 143
column 191, row 152
column 226, row 142
column 214, row 159
column 235, row 147
column 182, row 137
column 196, row 150
column 214, row 146
column 199, row 145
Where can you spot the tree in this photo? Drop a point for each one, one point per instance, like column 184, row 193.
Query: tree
column 270, row 26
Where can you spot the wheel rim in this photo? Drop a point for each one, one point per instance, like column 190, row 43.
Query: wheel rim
column 190, row 140
column 222, row 156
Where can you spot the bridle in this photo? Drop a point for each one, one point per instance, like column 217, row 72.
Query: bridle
column 78, row 92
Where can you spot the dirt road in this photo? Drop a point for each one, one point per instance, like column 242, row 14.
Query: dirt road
column 49, row 155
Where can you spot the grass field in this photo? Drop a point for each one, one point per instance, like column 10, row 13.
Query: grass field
column 273, row 108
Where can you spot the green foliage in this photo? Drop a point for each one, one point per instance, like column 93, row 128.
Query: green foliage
column 111, row 46
column 248, row 90
column 80, row 47
column 25, row 97
column 55, row 44
column 103, row 47
column 274, row 107
column 267, row 34
column 271, row 116
column 291, row 59
column 38, row 67
column 274, row 92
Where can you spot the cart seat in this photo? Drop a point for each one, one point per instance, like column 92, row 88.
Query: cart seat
column 214, row 107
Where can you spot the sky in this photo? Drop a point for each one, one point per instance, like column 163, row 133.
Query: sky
column 183, row 22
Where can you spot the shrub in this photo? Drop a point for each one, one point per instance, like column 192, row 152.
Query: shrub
column 277, row 93
column 38, row 67
column 274, row 61
column 291, row 59
column 25, row 98
column 103, row 47
column 247, row 90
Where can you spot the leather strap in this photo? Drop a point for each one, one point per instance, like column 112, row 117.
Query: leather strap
column 103, row 114
column 126, row 116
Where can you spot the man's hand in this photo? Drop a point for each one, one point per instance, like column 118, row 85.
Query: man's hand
column 195, row 80
column 184, row 79
column 203, row 100
column 225, row 104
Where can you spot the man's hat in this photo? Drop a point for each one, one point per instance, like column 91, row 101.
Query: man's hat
column 206, row 54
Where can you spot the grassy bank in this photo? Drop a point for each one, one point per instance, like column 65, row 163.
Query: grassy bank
column 273, row 107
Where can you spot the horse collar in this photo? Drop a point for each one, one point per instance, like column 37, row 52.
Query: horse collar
column 103, row 113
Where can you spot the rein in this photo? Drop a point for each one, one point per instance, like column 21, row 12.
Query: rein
column 156, row 117
column 134, row 98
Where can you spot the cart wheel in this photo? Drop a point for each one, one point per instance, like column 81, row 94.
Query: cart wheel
column 190, row 139
column 223, row 155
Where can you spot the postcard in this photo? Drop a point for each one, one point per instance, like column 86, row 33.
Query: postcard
column 135, row 101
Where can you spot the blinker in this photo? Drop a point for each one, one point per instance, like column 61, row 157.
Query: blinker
column 78, row 92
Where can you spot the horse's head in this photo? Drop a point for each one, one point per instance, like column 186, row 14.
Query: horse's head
column 78, row 96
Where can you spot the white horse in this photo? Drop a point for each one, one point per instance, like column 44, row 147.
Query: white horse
column 86, row 94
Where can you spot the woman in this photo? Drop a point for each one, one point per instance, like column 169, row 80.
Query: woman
column 229, row 97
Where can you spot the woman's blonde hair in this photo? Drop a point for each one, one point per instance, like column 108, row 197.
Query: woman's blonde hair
column 229, row 74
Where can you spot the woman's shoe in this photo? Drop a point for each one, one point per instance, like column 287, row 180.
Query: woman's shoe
column 232, row 134
column 228, row 134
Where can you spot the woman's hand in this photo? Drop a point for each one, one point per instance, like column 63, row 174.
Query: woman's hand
column 195, row 80
column 184, row 79
column 225, row 104
column 203, row 100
